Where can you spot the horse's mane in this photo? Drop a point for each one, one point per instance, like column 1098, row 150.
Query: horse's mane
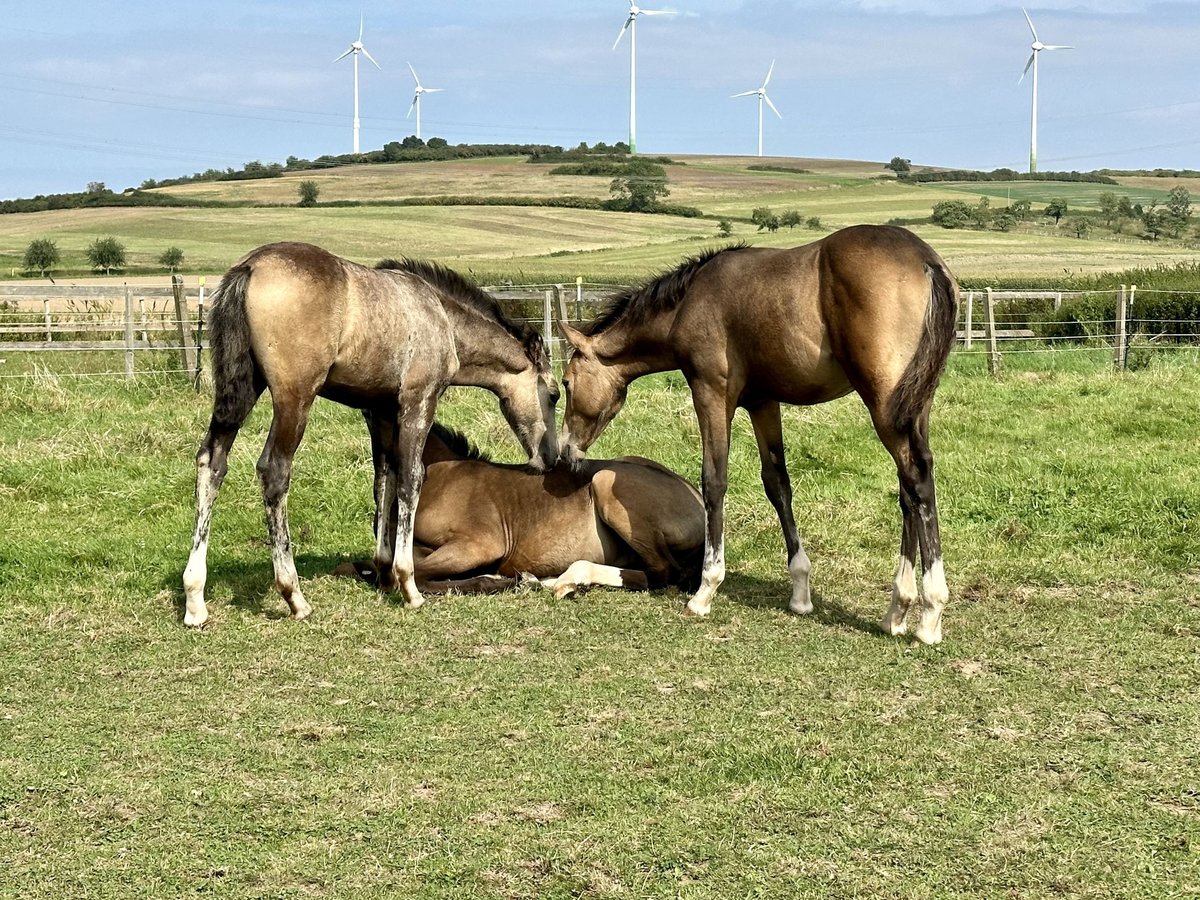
column 453, row 285
column 459, row 444
column 661, row 294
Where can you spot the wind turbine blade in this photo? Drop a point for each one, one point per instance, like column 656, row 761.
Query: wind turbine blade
column 743, row 94
column 1057, row 47
column 1027, row 65
column 344, row 55
column 432, row 90
column 769, row 71
column 621, row 33
column 372, row 59
column 1030, row 21
column 411, row 108
column 414, row 71
column 772, row 105
column 360, row 26
column 658, row 12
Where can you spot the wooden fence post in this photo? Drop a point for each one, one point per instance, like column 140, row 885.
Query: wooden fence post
column 560, row 304
column 142, row 319
column 46, row 316
column 1119, row 346
column 970, row 316
column 990, row 327
column 548, row 326
column 128, row 333
column 187, row 349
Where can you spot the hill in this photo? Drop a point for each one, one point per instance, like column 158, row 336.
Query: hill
column 535, row 243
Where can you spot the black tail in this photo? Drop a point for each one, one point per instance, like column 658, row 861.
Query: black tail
column 236, row 379
column 914, row 395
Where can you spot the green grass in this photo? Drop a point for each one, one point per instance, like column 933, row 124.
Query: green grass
column 515, row 746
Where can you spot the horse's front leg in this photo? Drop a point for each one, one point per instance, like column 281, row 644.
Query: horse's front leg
column 714, row 413
column 381, row 424
column 412, row 430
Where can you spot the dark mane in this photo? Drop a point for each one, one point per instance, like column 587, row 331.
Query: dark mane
column 458, row 442
column 453, row 285
column 660, row 294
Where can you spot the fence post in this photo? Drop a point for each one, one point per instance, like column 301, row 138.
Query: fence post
column 142, row 319
column 990, row 327
column 187, row 350
column 578, row 298
column 46, row 316
column 128, row 333
column 970, row 316
column 1057, row 300
column 547, row 326
column 1119, row 346
column 560, row 304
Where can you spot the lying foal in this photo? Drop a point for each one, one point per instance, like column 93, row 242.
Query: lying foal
column 484, row 527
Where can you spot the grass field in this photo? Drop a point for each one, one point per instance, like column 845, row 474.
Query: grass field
column 516, row 746
column 538, row 244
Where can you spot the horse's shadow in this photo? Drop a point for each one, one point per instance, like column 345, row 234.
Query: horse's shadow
column 250, row 586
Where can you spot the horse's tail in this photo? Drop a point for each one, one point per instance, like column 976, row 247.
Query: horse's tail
column 914, row 394
column 236, row 379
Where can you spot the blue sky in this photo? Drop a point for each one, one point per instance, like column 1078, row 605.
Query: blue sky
column 123, row 92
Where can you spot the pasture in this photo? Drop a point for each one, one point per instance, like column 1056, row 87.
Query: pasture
column 515, row 746
column 537, row 244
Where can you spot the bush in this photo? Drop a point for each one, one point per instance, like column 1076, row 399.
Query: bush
column 308, row 191
column 952, row 213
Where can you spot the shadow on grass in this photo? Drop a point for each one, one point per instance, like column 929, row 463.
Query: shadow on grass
column 753, row 592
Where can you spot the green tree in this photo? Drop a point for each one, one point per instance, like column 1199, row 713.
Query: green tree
column 1179, row 210
column 759, row 216
column 171, row 258
column 791, row 218
column 41, row 255
column 1081, row 227
column 106, row 253
column 952, row 213
column 642, row 183
column 1004, row 220
column 1125, row 207
column 412, row 142
column 97, row 187
column 1057, row 208
column 772, row 224
column 437, row 143
column 308, row 191
column 1108, row 207
column 981, row 213
column 1154, row 220
column 814, row 222
column 899, row 165
column 1021, row 210
column 725, row 228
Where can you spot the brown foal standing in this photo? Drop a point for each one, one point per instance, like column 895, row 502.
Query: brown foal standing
column 870, row 309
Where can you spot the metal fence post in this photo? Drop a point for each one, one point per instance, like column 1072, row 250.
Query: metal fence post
column 46, row 315
column 548, row 326
column 578, row 298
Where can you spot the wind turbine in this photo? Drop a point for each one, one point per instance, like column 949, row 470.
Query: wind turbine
column 761, row 93
column 356, row 47
column 416, row 102
column 1038, row 47
column 631, row 26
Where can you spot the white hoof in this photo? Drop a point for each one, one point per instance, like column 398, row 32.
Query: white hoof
column 801, row 606
column 562, row 591
column 894, row 624
column 300, row 608
column 927, row 634
column 195, row 618
column 694, row 608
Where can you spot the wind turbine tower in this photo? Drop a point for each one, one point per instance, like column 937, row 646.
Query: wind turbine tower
column 761, row 93
column 416, row 102
column 631, row 26
column 1038, row 47
column 356, row 47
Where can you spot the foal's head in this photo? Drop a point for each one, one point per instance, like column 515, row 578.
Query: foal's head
column 595, row 394
column 527, row 398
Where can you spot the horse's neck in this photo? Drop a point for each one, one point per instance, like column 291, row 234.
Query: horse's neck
column 486, row 350
column 641, row 349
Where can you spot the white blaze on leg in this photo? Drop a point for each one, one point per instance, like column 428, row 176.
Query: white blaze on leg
column 581, row 572
column 799, row 568
column 196, row 574
column 710, row 580
column 929, row 629
column 286, row 579
column 904, row 593
column 402, row 568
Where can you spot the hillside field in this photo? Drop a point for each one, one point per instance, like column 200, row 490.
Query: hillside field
column 533, row 244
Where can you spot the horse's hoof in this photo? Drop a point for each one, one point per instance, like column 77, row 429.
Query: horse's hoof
column 893, row 626
column 196, row 619
column 801, row 607
column 363, row 570
column 416, row 602
column 562, row 591
column 928, row 636
column 696, row 612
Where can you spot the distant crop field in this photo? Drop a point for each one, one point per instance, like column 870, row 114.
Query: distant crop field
column 517, row 746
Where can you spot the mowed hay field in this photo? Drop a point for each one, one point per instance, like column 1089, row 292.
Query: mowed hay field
column 518, row 746
column 533, row 244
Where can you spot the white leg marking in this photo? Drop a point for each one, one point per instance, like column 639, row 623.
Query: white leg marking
column 402, row 567
column 710, row 581
column 904, row 594
column 196, row 574
column 799, row 568
column 581, row 573
column 929, row 629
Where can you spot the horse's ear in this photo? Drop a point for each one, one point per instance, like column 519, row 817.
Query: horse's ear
column 576, row 338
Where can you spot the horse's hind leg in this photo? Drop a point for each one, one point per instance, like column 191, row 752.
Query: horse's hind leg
column 212, row 462
column 918, row 502
column 412, row 430
column 275, row 473
column 582, row 573
column 768, row 431
column 382, row 427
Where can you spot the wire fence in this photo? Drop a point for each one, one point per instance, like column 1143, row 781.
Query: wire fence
column 135, row 331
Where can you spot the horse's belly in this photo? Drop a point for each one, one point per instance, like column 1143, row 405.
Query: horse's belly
column 551, row 555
